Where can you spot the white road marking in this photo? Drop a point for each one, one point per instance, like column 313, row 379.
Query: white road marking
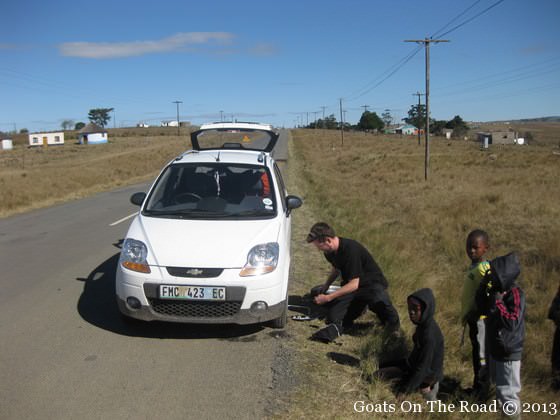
column 123, row 219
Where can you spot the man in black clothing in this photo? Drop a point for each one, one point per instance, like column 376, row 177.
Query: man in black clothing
column 363, row 284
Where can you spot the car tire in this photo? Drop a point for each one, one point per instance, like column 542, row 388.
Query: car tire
column 282, row 320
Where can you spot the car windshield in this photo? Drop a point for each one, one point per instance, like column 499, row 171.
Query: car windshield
column 212, row 191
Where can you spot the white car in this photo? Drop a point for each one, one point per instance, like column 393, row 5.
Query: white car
column 211, row 242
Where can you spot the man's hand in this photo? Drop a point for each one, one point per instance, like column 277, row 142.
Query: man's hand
column 322, row 299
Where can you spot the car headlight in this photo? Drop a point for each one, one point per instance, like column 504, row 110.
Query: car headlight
column 261, row 259
column 134, row 256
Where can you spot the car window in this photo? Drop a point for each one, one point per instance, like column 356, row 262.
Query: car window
column 234, row 138
column 212, row 190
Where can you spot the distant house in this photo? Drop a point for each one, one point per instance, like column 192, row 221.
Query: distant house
column 407, row 129
column 142, row 125
column 46, row 139
column 172, row 123
column 497, row 137
column 92, row 134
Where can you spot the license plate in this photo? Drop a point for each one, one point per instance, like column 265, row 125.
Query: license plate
column 192, row 292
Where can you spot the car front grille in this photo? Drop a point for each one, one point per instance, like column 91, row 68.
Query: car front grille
column 196, row 309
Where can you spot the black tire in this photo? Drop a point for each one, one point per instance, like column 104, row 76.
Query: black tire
column 282, row 320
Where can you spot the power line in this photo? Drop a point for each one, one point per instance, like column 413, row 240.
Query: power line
column 436, row 34
column 471, row 19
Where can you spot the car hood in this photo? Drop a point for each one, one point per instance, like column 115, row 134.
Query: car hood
column 201, row 243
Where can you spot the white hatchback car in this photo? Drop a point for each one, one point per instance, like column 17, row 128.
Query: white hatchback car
column 211, row 243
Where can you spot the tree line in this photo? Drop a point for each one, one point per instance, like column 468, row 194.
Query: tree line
column 370, row 121
column 98, row 116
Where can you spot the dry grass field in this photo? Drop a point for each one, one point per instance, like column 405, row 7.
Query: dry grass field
column 38, row 177
column 373, row 189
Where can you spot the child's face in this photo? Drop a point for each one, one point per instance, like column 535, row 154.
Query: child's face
column 414, row 312
column 476, row 248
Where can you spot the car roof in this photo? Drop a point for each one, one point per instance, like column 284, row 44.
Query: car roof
column 263, row 133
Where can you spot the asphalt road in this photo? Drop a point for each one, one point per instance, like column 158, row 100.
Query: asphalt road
column 65, row 353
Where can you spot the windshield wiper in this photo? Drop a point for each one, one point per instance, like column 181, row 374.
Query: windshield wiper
column 249, row 213
column 185, row 213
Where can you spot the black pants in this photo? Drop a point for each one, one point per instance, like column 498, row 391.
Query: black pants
column 477, row 335
column 555, row 359
column 343, row 310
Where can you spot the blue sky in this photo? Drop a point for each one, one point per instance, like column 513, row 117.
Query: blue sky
column 281, row 62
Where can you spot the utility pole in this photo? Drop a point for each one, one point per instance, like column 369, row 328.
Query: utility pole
column 341, row 124
column 418, row 94
column 178, row 123
column 427, row 42
column 323, row 108
column 221, row 116
column 365, row 107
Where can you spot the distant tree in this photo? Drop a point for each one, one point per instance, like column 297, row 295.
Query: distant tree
column 370, row 121
column 459, row 127
column 67, row 124
column 79, row 126
column 24, row 131
column 387, row 117
column 416, row 116
column 100, row 116
column 437, row 126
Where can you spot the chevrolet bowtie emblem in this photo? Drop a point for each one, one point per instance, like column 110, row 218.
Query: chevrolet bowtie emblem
column 194, row 272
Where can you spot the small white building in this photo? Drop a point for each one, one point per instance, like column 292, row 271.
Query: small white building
column 172, row 123
column 92, row 134
column 7, row 144
column 46, row 139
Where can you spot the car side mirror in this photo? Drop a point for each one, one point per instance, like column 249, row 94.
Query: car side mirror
column 138, row 198
column 292, row 202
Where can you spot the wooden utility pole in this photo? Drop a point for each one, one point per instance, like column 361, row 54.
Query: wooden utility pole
column 418, row 94
column 427, row 42
column 341, row 124
column 178, row 123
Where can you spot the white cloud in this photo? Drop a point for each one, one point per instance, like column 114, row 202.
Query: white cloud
column 177, row 42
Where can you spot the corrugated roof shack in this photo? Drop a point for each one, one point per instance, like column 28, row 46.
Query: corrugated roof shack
column 497, row 137
column 92, row 134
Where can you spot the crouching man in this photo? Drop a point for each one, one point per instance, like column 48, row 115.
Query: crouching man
column 362, row 285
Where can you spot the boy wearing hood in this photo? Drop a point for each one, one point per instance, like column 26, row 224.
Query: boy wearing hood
column 504, row 304
column 554, row 315
column 423, row 369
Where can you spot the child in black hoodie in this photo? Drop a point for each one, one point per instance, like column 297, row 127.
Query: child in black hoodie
column 423, row 369
column 503, row 302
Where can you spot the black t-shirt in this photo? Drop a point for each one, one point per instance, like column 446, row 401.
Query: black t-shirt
column 354, row 260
